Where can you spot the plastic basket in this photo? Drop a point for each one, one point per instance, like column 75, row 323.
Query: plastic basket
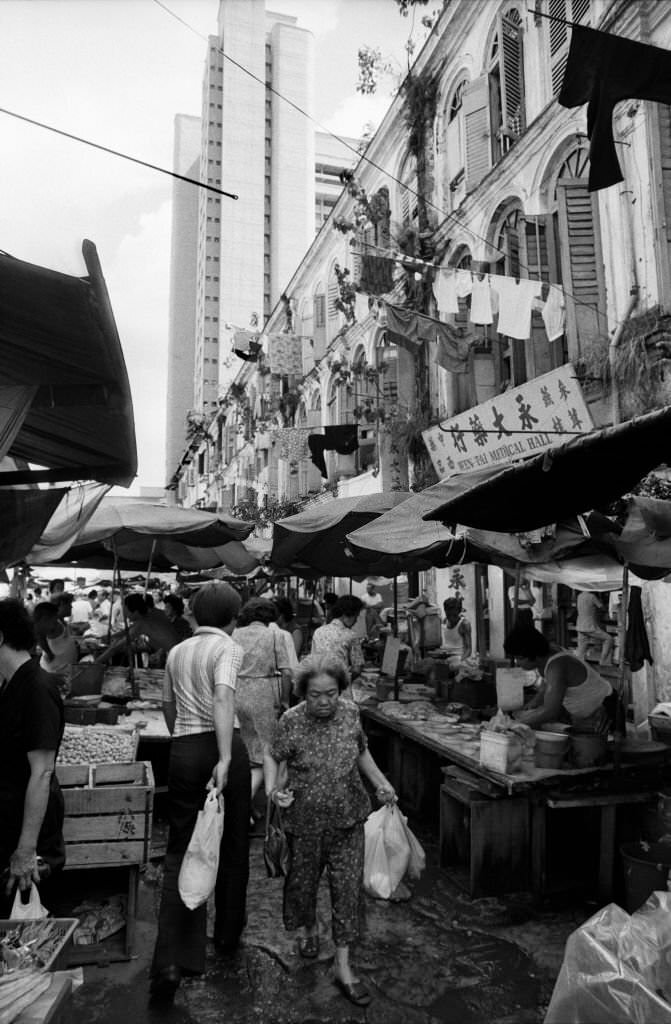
column 62, row 927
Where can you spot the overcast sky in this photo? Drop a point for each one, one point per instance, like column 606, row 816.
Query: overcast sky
column 116, row 72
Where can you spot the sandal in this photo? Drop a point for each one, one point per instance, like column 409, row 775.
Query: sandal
column 357, row 993
column 308, row 947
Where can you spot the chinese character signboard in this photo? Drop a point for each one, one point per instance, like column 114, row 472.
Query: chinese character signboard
column 544, row 412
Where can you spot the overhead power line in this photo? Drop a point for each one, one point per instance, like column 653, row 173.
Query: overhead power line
column 116, row 152
column 449, row 217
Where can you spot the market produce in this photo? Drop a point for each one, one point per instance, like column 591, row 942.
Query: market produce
column 28, row 945
column 93, row 744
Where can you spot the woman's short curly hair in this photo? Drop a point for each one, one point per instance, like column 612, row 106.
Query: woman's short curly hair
column 257, row 609
column 311, row 667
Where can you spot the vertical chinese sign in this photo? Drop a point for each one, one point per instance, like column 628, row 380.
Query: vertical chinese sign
column 523, row 421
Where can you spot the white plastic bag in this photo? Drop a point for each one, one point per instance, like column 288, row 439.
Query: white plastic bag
column 417, row 859
column 198, row 873
column 30, row 911
column 387, row 852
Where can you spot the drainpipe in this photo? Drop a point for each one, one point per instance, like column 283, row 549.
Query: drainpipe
column 612, row 349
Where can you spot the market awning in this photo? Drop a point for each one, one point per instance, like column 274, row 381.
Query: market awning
column 139, row 534
column 402, row 534
column 315, row 539
column 587, row 472
column 24, row 513
column 64, row 391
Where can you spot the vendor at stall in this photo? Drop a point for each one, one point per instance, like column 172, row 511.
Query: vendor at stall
column 571, row 690
column 457, row 641
column 59, row 650
column 31, row 728
column 144, row 622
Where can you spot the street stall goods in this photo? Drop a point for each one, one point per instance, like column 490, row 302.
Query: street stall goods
column 97, row 744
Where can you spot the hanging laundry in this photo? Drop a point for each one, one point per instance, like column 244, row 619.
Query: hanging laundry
column 343, row 439
column 246, row 344
column 252, row 354
column 636, row 644
column 285, row 353
column 411, row 330
column 361, row 306
column 292, row 443
column 452, row 355
column 601, row 70
column 445, row 291
column 449, row 286
column 554, row 312
column 481, row 301
column 515, row 301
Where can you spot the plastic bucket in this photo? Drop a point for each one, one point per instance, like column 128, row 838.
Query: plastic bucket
column 588, row 749
column 510, row 688
column 645, row 871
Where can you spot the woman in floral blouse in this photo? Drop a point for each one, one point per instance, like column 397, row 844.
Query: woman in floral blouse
column 319, row 755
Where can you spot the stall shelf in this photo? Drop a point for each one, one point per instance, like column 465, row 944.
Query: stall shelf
column 496, row 825
column 108, row 824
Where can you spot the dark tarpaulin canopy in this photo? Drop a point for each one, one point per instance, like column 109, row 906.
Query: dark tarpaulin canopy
column 142, row 534
column 584, row 473
column 405, row 537
column 24, row 513
column 315, row 540
column 58, row 339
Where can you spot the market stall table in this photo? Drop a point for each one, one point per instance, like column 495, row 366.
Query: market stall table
column 495, row 823
column 52, row 1006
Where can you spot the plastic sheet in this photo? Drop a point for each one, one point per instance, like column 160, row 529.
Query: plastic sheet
column 617, row 968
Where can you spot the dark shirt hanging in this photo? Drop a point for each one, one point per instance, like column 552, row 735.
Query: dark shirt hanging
column 411, row 330
column 601, row 70
column 636, row 644
column 342, row 439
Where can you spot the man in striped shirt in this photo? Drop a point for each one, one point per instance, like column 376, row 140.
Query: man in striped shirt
column 206, row 752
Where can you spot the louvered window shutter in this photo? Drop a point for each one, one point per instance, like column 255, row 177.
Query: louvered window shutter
column 405, row 206
column 477, row 131
column 512, row 76
column 541, row 354
column 319, row 310
column 570, row 10
column 582, row 263
column 333, row 295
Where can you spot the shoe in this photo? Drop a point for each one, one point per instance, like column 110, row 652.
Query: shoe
column 164, row 984
column 308, row 947
column 356, row 993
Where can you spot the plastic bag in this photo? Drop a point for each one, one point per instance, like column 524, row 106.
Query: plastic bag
column 387, row 852
column 276, row 854
column 30, row 911
column 198, row 873
column 417, row 858
column 617, row 968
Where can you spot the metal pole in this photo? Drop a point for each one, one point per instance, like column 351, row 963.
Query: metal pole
column 622, row 631
column 396, row 687
column 151, row 560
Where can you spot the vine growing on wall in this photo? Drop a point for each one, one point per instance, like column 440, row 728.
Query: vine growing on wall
column 346, row 294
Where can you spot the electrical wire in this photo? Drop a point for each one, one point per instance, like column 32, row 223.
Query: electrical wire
column 115, row 152
column 448, row 217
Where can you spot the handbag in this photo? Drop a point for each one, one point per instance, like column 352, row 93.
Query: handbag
column 276, row 853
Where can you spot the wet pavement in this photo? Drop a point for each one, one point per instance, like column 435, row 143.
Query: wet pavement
column 436, row 957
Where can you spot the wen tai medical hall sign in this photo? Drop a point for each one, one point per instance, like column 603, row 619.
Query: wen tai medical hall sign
column 520, row 422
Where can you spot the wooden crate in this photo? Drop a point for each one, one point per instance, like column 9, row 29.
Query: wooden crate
column 108, row 813
column 108, row 823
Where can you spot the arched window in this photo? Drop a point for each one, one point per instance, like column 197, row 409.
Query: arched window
column 454, row 144
column 493, row 104
column 319, row 321
column 407, row 196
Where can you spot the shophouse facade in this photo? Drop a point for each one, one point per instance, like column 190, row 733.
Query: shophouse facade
column 477, row 167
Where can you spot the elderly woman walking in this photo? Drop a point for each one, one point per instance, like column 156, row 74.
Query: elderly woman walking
column 318, row 757
column 264, row 684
